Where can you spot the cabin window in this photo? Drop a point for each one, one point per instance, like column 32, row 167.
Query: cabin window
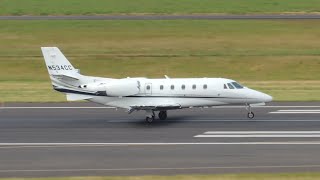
column 230, row 86
column 183, row 86
column 194, row 86
column 161, row 87
column 172, row 87
column 237, row 85
column 205, row 86
column 148, row 87
column 225, row 86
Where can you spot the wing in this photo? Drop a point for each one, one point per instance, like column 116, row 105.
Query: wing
column 159, row 107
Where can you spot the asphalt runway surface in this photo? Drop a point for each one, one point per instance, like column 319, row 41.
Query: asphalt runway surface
column 83, row 139
column 165, row 17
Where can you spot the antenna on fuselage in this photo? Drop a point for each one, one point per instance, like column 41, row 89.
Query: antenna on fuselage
column 167, row 77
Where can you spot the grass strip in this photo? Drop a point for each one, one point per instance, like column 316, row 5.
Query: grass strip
column 85, row 7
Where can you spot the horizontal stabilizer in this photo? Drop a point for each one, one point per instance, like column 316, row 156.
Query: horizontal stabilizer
column 78, row 97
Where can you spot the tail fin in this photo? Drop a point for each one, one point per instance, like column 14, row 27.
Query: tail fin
column 64, row 77
column 57, row 64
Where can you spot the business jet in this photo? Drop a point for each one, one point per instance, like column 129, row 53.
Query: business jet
column 149, row 95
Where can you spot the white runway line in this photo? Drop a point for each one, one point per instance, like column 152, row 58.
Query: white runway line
column 262, row 132
column 259, row 134
column 161, row 168
column 228, row 120
column 296, row 111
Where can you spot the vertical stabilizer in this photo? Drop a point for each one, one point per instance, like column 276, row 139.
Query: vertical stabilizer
column 57, row 63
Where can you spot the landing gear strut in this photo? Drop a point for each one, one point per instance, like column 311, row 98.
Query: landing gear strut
column 150, row 116
column 163, row 115
column 250, row 113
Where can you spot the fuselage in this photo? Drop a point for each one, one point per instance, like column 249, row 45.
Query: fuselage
column 187, row 92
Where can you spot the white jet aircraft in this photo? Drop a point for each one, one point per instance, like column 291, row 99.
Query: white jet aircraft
column 150, row 95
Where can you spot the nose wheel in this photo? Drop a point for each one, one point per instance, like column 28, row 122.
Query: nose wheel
column 250, row 113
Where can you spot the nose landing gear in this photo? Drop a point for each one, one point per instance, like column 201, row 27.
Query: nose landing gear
column 250, row 113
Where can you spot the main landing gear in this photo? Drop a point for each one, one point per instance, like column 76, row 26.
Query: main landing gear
column 150, row 116
column 163, row 115
column 250, row 113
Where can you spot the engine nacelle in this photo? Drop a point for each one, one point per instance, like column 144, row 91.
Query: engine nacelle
column 122, row 87
column 116, row 88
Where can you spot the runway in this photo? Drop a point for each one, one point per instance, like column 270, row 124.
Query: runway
column 83, row 139
column 167, row 17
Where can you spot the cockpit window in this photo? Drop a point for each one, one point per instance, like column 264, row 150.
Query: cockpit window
column 230, row 86
column 237, row 85
column 225, row 86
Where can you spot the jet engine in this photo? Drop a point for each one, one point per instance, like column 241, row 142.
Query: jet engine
column 123, row 87
column 116, row 88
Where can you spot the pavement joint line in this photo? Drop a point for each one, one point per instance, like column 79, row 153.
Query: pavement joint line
column 160, row 168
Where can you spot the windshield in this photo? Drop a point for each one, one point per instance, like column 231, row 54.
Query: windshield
column 237, row 85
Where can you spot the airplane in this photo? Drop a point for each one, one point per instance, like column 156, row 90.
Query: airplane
column 149, row 95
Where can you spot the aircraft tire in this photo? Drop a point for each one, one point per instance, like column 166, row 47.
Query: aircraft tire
column 250, row 115
column 149, row 119
column 163, row 115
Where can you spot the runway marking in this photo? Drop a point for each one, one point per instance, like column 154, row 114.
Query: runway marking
column 259, row 134
column 296, row 111
column 159, row 168
column 65, row 145
column 299, row 110
column 226, row 120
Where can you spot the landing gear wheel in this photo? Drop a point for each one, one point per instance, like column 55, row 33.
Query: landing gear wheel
column 250, row 115
column 150, row 119
column 163, row 115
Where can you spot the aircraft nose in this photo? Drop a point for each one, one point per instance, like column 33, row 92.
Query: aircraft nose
column 266, row 97
column 260, row 96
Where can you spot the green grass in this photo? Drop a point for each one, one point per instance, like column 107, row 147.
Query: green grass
column 89, row 7
column 283, row 176
column 278, row 57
